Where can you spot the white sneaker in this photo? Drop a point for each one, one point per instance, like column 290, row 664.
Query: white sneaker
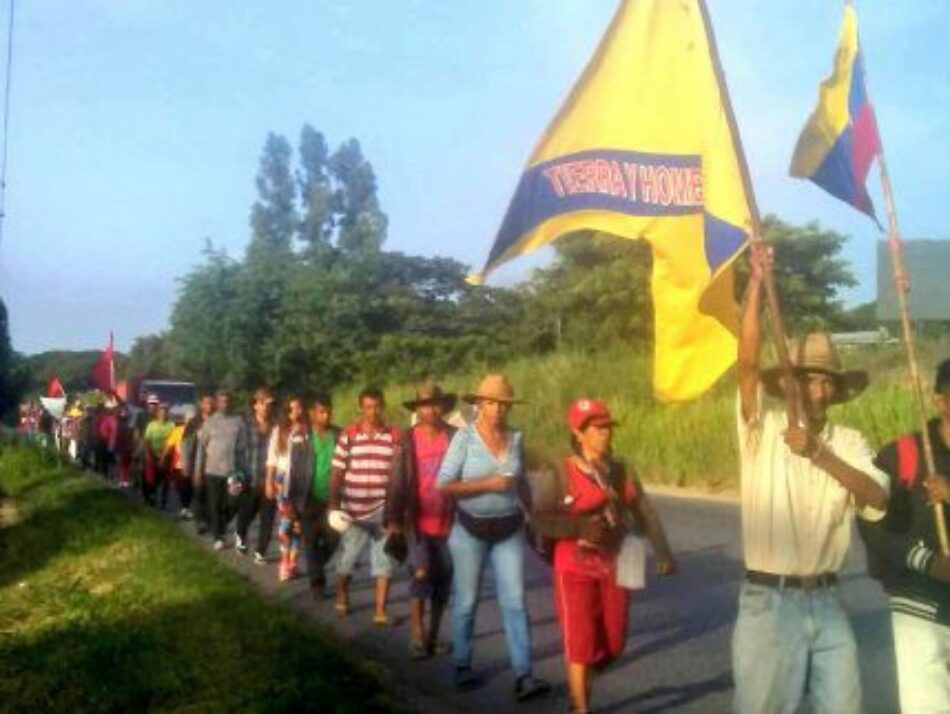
column 240, row 546
column 259, row 558
column 185, row 514
column 219, row 544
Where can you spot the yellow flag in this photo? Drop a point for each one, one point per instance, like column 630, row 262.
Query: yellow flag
column 643, row 149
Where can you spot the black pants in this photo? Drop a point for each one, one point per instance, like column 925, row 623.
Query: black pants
column 252, row 503
column 319, row 540
column 182, row 486
column 220, row 504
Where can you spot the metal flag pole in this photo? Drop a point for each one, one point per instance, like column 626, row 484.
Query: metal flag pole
column 792, row 403
column 902, row 288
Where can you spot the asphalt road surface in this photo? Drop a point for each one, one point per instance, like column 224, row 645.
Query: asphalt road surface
column 678, row 653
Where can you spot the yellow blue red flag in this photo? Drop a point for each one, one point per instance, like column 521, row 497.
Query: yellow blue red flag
column 840, row 140
column 644, row 148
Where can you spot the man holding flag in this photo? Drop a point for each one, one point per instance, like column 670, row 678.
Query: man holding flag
column 801, row 484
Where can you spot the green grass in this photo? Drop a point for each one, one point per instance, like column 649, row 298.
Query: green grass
column 107, row 608
column 689, row 445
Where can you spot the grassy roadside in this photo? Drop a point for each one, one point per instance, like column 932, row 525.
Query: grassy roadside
column 107, row 608
column 690, row 445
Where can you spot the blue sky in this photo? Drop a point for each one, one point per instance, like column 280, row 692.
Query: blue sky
column 136, row 127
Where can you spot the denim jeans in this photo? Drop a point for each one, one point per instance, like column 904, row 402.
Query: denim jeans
column 354, row 541
column 469, row 555
column 788, row 642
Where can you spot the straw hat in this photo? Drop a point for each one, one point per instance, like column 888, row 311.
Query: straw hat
column 815, row 352
column 495, row 387
column 429, row 393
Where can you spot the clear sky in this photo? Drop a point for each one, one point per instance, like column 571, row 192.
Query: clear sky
column 136, row 128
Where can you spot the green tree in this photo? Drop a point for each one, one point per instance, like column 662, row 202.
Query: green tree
column 274, row 220
column 362, row 223
column 596, row 291
column 13, row 376
column 809, row 273
column 151, row 356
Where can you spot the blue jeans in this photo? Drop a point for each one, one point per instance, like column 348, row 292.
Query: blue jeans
column 469, row 555
column 788, row 642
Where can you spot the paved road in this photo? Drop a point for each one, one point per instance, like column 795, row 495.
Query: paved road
column 678, row 654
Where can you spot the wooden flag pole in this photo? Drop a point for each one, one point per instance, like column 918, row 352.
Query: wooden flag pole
column 792, row 402
column 902, row 288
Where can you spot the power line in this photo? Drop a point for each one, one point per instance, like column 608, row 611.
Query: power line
column 6, row 123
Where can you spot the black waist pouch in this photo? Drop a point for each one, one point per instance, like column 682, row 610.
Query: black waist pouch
column 491, row 529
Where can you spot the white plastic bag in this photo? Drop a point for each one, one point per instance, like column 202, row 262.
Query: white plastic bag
column 632, row 563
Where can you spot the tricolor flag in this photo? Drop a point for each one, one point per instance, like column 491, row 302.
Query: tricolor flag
column 643, row 148
column 840, row 140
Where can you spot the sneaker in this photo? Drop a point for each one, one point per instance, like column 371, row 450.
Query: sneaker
column 185, row 514
column 529, row 686
column 240, row 546
column 259, row 558
column 466, row 679
column 417, row 650
column 219, row 544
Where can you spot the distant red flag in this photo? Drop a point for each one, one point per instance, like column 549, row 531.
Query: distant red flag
column 102, row 374
column 54, row 387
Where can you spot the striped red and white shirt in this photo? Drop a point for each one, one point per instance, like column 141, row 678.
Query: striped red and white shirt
column 366, row 460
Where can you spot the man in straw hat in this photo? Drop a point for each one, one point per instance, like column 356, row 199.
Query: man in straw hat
column 801, row 486
column 417, row 504
column 903, row 553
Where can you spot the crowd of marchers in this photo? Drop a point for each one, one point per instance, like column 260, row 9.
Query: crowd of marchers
column 448, row 494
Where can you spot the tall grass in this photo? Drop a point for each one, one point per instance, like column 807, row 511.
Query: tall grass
column 691, row 444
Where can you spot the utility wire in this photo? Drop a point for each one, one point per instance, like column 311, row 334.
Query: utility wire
column 6, row 123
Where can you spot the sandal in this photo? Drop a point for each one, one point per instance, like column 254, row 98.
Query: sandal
column 381, row 620
column 341, row 608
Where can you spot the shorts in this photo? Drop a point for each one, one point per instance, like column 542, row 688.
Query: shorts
column 593, row 611
column 352, row 543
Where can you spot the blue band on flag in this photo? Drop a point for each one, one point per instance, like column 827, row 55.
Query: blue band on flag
column 629, row 182
column 722, row 240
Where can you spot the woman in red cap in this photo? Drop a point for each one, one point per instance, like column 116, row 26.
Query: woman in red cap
column 591, row 511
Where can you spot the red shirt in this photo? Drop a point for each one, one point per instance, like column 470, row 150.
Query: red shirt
column 586, row 494
column 434, row 516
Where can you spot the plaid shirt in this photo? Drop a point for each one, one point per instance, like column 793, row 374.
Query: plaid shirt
column 257, row 452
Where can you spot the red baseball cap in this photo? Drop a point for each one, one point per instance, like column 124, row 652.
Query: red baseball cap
column 589, row 411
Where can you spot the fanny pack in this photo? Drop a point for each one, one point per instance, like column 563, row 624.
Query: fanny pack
column 491, row 529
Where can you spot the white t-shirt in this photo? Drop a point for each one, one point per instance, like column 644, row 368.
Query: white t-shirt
column 796, row 518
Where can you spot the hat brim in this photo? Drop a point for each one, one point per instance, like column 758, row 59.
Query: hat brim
column 475, row 398
column 446, row 401
column 848, row 385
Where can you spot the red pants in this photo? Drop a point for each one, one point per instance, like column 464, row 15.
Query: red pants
column 593, row 614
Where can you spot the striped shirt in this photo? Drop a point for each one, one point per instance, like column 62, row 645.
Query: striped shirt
column 366, row 460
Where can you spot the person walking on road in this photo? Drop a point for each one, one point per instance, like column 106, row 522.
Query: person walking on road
column 904, row 554
column 173, row 456
column 155, row 475
column 319, row 540
column 222, row 456
column 801, row 485
column 362, row 464
column 483, row 471
column 289, row 480
column 189, row 459
column 591, row 507
column 425, row 513
column 254, row 502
